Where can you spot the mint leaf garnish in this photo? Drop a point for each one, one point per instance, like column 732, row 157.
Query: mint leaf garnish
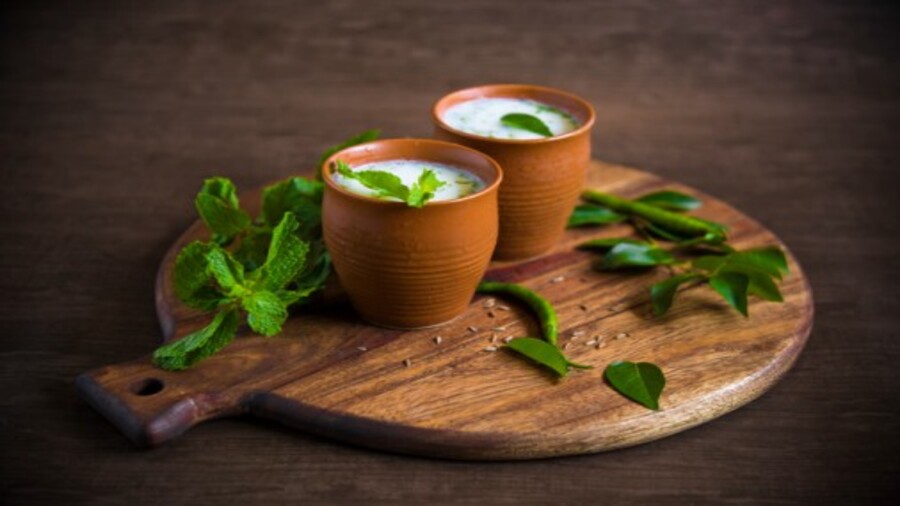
column 642, row 382
column 526, row 122
column 386, row 184
column 424, row 189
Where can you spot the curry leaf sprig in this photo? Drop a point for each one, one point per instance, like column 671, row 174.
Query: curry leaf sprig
column 389, row 185
column 259, row 268
column 732, row 274
column 641, row 382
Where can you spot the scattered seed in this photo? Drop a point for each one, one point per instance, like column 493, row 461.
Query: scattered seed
column 620, row 335
column 501, row 307
column 407, row 362
column 601, row 344
column 576, row 333
column 558, row 279
column 473, row 330
column 489, row 303
column 582, row 307
column 491, row 348
column 438, row 340
column 498, row 329
column 491, row 314
column 591, row 343
column 507, row 339
column 566, row 346
column 362, row 348
column 493, row 338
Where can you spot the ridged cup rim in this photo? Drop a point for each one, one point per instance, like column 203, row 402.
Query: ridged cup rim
column 504, row 91
column 328, row 171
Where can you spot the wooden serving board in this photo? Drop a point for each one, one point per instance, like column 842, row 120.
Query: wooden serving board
column 331, row 374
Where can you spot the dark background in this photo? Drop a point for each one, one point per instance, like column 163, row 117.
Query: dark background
column 112, row 114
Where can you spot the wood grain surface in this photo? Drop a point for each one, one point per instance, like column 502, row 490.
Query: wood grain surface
column 334, row 375
column 112, row 113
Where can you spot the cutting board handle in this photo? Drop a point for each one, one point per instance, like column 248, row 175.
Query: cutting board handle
column 149, row 405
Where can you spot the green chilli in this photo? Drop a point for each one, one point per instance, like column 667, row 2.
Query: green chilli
column 544, row 310
column 678, row 223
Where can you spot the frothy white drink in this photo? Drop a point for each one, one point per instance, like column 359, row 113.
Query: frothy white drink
column 458, row 183
column 481, row 116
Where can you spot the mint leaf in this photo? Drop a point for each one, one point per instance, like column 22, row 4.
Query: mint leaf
column 607, row 244
column 384, row 183
column 266, row 313
column 286, row 257
column 298, row 195
column 588, row 214
column 192, row 279
column 252, row 250
column 671, row 200
column 544, row 354
column 189, row 350
column 662, row 293
column 228, row 272
column 217, row 204
column 424, row 189
column 526, row 122
column 732, row 286
column 627, row 254
column 367, row 136
column 642, row 382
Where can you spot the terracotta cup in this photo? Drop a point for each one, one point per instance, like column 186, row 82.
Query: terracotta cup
column 542, row 177
column 405, row 267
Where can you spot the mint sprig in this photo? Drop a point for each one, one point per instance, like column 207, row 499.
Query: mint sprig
column 389, row 185
column 258, row 268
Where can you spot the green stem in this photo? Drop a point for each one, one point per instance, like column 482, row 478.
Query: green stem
column 544, row 310
column 680, row 223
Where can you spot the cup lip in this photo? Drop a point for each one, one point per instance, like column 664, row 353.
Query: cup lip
column 327, row 173
column 496, row 91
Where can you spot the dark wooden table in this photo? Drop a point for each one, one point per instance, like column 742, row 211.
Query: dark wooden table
column 112, row 114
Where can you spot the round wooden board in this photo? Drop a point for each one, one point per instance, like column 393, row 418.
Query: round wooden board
column 331, row 374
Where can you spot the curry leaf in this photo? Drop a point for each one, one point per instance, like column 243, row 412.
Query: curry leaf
column 671, row 200
column 544, row 353
column 642, row 382
column 662, row 293
column 732, row 286
column 526, row 122
column 627, row 254
column 588, row 214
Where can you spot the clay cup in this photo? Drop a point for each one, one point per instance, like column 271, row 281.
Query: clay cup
column 404, row 267
column 542, row 177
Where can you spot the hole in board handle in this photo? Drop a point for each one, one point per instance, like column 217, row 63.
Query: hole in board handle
column 148, row 386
